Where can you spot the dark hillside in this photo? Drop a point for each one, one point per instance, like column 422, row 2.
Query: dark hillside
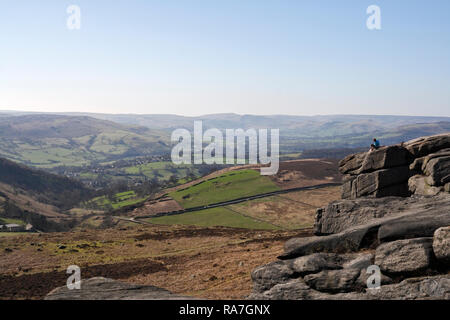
column 61, row 192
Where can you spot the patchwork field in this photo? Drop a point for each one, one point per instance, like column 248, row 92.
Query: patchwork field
column 229, row 186
column 117, row 201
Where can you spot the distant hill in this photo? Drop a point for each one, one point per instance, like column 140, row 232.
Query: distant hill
column 74, row 139
column 48, row 140
column 302, row 126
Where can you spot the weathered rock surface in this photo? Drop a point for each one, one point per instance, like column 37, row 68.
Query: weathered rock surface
column 415, row 224
column 344, row 214
column 316, row 262
column 424, row 288
column 377, row 173
column 271, row 274
column 348, row 241
column 418, row 185
column 426, row 145
column 404, row 256
column 378, row 226
column 333, row 280
column 437, row 171
column 386, row 171
column 385, row 157
column 441, row 244
column 108, row 289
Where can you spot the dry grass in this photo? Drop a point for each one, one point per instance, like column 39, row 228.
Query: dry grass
column 202, row 262
column 291, row 210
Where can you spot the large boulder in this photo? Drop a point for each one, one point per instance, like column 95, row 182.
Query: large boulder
column 267, row 276
column 430, row 212
column 316, row 262
column 418, row 185
column 386, row 171
column 441, row 245
column 404, row 256
column 352, row 163
column 395, row 214
column 425, row 145
column 385, row 157
column 372, row 184
column 343, row 214
column 349, row 241
column 361, row 261
column 437, row 171
column 422, row 288
column 416, row 224
column 343, row 280
column 380, row 183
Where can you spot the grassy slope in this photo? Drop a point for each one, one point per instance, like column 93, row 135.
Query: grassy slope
column 213, row 217
column 229, row 186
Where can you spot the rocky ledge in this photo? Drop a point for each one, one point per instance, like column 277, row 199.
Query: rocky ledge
column 394, row 220
column 108, row 289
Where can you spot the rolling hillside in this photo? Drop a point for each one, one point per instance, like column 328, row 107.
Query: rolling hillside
column 297, row 133
column 294, row 209
column 37, row 197
column 52, row 140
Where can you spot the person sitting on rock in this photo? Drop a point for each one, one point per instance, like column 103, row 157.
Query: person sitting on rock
column 375, row 145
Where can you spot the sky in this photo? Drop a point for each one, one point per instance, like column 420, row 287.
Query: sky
column 194, row 57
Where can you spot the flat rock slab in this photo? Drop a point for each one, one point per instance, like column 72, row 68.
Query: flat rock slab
column 349, row 241
column 108, row 289
column 344, row 214
column 425, row 145
column 404, row 256
column 421, row 224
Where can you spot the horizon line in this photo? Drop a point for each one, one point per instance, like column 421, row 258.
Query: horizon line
column 224, row 113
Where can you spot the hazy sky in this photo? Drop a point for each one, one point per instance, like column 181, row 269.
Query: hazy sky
column 195, row 57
